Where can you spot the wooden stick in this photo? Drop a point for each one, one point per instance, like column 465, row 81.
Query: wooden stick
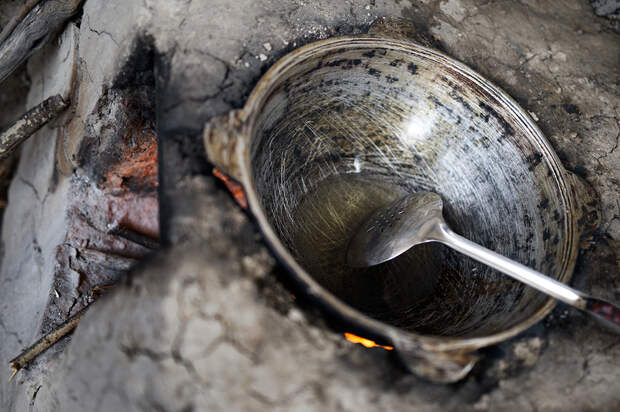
column 29, row 123
column 54, row 336
column 45, row 342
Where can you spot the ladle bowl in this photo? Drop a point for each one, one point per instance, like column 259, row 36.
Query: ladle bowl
column 417, row 218
column 340, row 127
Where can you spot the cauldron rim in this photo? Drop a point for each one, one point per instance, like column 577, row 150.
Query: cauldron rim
column 240, row 168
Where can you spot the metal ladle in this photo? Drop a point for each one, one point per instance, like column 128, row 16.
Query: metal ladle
column 417, row 218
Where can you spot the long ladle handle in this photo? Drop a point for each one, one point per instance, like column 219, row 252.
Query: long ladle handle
column 605, row 312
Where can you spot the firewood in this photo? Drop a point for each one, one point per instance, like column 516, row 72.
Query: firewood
column 30, row 122
column 27, row 32
column 62, row 330
column 45, row 342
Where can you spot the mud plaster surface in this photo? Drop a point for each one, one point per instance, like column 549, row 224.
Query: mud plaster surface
column 207, row 324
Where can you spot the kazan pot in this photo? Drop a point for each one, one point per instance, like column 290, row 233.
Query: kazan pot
column 340, row 127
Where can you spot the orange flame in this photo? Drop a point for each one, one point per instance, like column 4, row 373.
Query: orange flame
column 366, row 342
column 233, row 187
column 237, row 191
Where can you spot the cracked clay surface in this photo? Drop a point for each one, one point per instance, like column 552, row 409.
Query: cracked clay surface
column 207, row 324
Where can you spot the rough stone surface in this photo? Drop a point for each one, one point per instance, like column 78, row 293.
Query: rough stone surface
column 33, row 225
column 606, row 7
column 207, row 324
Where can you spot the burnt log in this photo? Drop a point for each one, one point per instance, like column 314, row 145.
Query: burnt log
column 31, row 29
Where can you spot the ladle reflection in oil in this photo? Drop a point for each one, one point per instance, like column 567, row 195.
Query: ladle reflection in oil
column 403, row 291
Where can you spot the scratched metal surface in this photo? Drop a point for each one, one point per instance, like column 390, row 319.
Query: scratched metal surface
column 389, row 121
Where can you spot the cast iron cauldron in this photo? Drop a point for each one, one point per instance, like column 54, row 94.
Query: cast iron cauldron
column 340, row 127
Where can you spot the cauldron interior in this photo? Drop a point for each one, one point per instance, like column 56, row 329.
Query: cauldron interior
column 348, row 130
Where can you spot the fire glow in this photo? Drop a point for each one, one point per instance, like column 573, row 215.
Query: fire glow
column 237, row 191
column 366, row 342
column 234, row 188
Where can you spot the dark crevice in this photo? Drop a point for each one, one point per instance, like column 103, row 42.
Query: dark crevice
column 34, row 396
column 132, row 352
